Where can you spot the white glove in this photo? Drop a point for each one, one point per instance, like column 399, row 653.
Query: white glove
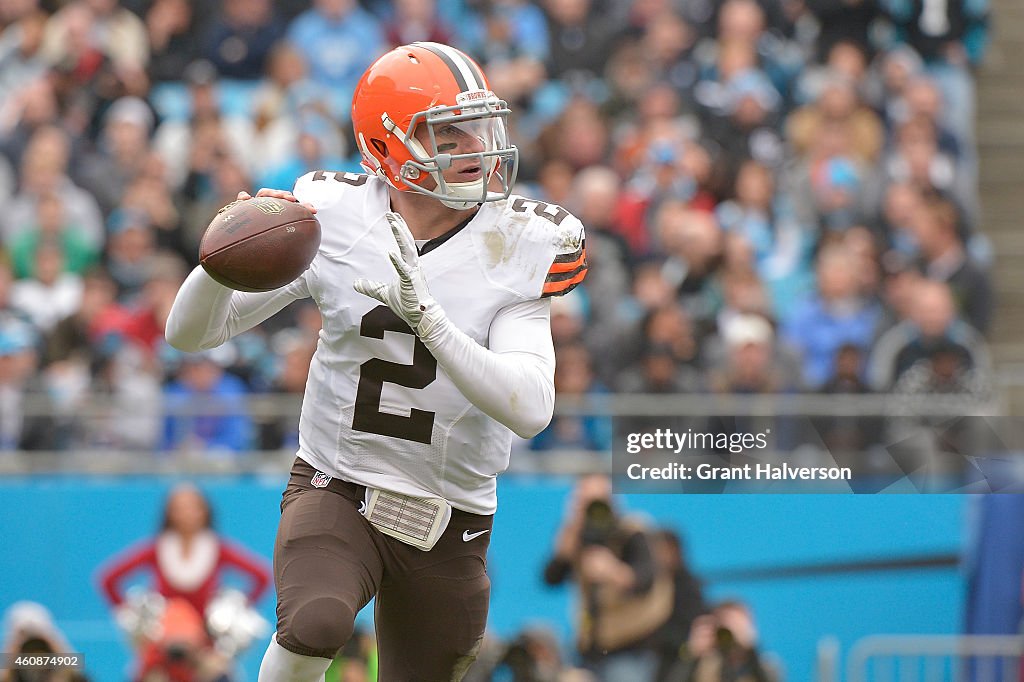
column 407, row 296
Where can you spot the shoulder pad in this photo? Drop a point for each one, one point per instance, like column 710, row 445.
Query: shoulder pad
column 323, row 188
column 533, row 248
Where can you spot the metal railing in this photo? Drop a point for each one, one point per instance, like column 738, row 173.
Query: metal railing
column 926, row 658
column 101, row 457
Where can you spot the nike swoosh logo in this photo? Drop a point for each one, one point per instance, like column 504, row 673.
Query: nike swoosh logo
column 467, row 536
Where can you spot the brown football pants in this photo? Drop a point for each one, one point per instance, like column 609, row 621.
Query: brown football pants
column 431, row 607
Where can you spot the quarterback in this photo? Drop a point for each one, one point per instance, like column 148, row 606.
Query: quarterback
column 433, row 281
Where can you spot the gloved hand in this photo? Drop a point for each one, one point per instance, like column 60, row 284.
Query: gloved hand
column 407, row 296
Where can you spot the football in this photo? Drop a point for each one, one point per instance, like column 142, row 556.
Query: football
column 259, row 244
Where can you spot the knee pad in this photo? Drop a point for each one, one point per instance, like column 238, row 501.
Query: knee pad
column 318, row 627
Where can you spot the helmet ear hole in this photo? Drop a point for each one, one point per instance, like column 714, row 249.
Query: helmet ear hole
column 380, row 146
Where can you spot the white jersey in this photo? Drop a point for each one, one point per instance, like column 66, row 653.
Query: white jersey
column 378, row 411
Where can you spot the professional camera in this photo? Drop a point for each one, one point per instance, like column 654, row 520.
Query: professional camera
column 599, row 524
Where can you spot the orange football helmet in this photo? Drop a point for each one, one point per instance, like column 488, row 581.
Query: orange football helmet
column 437, row 86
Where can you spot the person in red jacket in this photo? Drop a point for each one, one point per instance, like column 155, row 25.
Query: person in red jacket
column 187, row 558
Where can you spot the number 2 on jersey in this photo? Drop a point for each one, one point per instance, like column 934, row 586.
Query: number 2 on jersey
column 373, row 373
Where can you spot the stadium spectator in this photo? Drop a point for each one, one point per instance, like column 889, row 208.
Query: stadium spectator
column 240, row 38
column 44, row 171
column 579, row 136
column 944, row 370
column 625, row 596
column 201, row 380
column 667, row 327
column 149, row 195
column 750, row 364
column 843, row 21
column 121, row 154
column 51, row 227
column 86, row 30
column 416, row 20
column 30, row 108
column 944, row 258
column 741, row 107
column 923, row 99
column 932, row 323
column 580, row 40
column 171, row 26
column 846, row 60
column 595, row 199
column 339, row 40
column 949, row 38
column 694, row 243
column 52, row 292
column 78, row 336
column 21, row 59
column 131, row 248
column 667, row 44
column 285, row 103
column 512, row 45
column 834, row 185
column 190, row 146
column 837, row 105
column 658, row 372
column 917, row 158
column 837, row 315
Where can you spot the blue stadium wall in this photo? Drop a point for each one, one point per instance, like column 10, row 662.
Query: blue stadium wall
column 57, row 530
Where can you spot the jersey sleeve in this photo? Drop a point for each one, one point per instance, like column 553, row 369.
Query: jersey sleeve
column 569, row 263
column 530, row 248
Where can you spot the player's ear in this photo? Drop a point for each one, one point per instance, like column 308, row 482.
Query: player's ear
column 380, row 146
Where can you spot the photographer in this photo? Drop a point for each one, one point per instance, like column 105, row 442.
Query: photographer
column 29, row 629
column 624, row 596
column 722, row 648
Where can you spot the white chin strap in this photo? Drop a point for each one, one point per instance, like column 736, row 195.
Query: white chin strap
column 471, row 190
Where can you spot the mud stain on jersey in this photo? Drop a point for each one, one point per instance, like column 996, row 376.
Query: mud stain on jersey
column 568, row 240
column 497, row 250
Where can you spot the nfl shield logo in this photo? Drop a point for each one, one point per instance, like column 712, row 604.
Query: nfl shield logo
column 320, row 480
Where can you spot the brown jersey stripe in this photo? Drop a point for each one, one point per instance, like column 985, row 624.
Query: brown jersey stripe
column 571, row 257
column 562, row 276
column 567, row 267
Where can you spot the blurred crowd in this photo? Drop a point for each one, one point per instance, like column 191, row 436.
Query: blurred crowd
column 779, row 195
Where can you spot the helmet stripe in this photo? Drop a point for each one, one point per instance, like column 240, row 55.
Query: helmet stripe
column 459, row 65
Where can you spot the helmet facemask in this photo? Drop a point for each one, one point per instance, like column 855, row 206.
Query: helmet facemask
column 476, row 121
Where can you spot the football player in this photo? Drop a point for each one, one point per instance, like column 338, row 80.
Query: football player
column 433, row 281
